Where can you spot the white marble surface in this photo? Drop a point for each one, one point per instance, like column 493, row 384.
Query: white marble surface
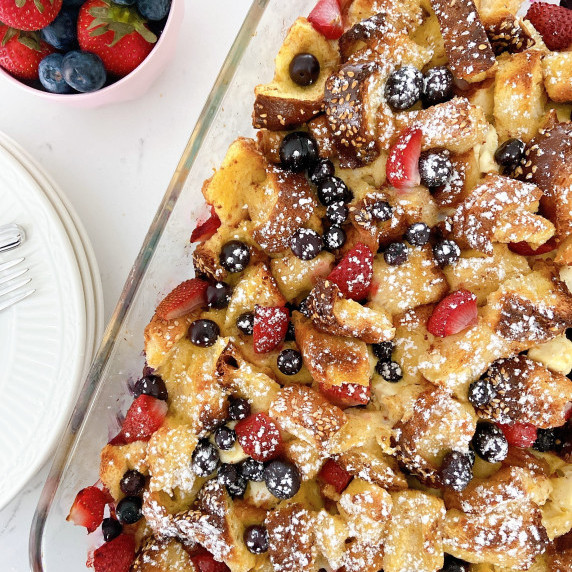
column 114, row 164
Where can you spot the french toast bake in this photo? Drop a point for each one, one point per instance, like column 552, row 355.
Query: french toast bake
column 370, row 369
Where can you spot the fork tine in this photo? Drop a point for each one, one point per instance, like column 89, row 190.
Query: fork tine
column 10, row 263
column 13, row 275
column 14, row 286
column 13, row 299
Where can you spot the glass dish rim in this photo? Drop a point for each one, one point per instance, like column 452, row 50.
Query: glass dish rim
column 89, row 389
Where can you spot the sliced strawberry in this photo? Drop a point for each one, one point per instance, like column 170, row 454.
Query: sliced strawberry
column 347, row 394
column 402, row 167
column 354, row 272
column 519, row 434
column 204, row 561
column 143, row 418
column 453, row 314
column 270, row 327
column 117, row 555
column 326, row 17
column 554, row 24
column 335, row 475
column 183, row 299
column 524, row 249
column 206, row 228
column 87, row 508
column 259, row 436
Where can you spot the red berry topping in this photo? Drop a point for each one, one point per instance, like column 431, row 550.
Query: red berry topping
column 519, row 434
column 117, row 555
column 402, row 168
column 335, row 475
column 204, row 561
column 88, row 506
column 347, row 394
column 143, row 418
column 186, row 297
column 326, row 17
column 206, row 228
column 22, row 52
column 524, row 249
column 453, row 314
column 554, row 24
column 29, row 14
column 259, row 436
column 270, row 327
column 354, row 272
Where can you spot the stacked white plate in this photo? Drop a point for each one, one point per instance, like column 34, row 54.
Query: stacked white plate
column 48, row 340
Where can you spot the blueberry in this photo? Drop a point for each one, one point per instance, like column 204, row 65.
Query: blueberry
column 132, row 483
column 453, row 564
column 446, row 252
column 128, row 510
column 418, row 234
column 245, row 323
column 304, row 69
column 380, row 210
column 481, row 392
column 303, row 308
column 323, row 169
column 337, row 212
column 510, row 153
column 456, row 470
column 50, row 73
column 111, row 528
column 203, row 333
column 84, row 71
column 545, row 440
column 225, row 437
column 396, row 254
column 123, row 2
column 383, row 351
column 234, row 256
column 489, row 442
column 252, row 470
column 333, row 189
column 218, row 295
column 298, row 151
column 403, row 88
column 289, row 362
column 435, row 168
column 306, row 243
column 282, row 479
column 389, row 370
column 256, row 539
column 153, row 10
column 334, row 238
column 229, row 475
column 290, row 333
column 238, row 408
column 151, row 385
column 437, row 86
column 205, row 459
column 76, row 3
column 62, row 32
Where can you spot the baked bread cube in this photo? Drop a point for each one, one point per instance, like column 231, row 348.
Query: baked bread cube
column 283, row 104
column 438, row 425
column 363, row 556
column 555, row 354
column 331, row 532
column 418, row 281
column 429, row 34
column 464, row 176
column 557, row 512
column 456, row 125
column 559, row 554
column 304, row 454
column 400, row 16
column 519, row 95
column 414, row 538
column 116, row 460
column 332, row 360
column 557, row 73
column 332, row 313
column 162, row 556
column 527, row 392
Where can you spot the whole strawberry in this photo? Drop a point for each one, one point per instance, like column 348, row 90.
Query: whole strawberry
column 22, row 52
column 554, row 24
column 29, row 15
column 117, row 34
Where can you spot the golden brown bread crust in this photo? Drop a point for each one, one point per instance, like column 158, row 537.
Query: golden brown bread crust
column 162, row 335
column 162, row 556
column 372, row 28
column 557, row 70
column 471, row 56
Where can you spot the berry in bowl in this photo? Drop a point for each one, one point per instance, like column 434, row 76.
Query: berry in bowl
column 99, row 51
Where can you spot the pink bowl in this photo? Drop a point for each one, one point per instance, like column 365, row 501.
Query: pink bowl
column 132, row 85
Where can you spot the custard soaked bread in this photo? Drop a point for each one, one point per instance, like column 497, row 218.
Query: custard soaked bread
column 370, row 369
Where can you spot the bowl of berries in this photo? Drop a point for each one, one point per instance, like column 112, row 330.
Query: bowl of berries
column 87, row 52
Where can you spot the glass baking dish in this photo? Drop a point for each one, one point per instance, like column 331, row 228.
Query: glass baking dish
column 163, row 262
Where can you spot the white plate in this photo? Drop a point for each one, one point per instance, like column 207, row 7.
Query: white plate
column 85, row 256
column 43, row 338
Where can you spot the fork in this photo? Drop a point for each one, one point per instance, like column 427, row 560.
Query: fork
column 12, row 283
